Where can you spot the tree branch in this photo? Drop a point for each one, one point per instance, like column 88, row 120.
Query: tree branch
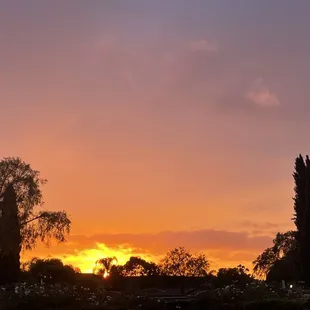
column 33, row 219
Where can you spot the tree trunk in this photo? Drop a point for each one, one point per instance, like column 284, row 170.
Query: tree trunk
column 10, row 238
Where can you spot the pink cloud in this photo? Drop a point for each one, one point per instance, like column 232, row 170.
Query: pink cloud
column 204, row 46
column 260, row 95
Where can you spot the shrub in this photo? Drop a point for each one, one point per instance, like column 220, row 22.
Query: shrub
column 147, row 303
column 272, row 304
column 23, row 296
column 223, row 306
column 205, row 299
column 38, row 303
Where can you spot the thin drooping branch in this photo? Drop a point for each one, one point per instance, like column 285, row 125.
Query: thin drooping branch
column 31, row 220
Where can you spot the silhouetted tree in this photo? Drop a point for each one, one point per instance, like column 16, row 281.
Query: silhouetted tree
column 52, row 271
column 137, row 267
column 10, row 238
column 284, row 269
column 300, row 181
column 238, row 275
column 302, row 213
column 115, row 279
column 104, row 265
column 33, row 225
column 294, row 244
column 283, row 244
column 117, row 271
column 198, row 265
column 179, row 262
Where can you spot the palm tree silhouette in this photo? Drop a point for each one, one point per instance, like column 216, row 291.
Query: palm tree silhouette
column 104, row 265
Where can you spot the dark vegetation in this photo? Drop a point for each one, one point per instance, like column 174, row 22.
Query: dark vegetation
column 289, row 257
column 180, row 280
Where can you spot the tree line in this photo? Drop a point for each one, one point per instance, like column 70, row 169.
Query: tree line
column 178, row 263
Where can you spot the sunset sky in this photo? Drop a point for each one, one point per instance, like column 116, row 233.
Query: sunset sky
column 159, row 123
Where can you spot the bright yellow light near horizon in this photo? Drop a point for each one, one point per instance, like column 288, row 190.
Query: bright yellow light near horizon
column 86, row 259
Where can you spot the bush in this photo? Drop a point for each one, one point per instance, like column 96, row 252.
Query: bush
column 253, row 296
column 147, row 303
column 224, row 306
column 273, row 304
column 205, row 299
column 38, row 303
column 23, row 296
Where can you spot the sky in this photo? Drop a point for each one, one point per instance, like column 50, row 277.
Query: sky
column 159, row 123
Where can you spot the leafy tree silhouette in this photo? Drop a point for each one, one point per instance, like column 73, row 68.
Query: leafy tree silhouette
column 137, row 267
column 21, row 180
column 292, row 248
column 51, row 271
column 283, row 244
column 238, row 275
column 284, row 269
column 104, row 266
column 180, row 262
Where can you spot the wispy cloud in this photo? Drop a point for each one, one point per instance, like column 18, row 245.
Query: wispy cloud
column 204, row 46
column 259, row 225
column 260, row 95
column 196, row 240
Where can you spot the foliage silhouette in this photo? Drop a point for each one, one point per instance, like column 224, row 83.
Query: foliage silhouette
column 179, row 262
column 51, row 271
column 302, row 214
column 284, row 269
column 20, row 186
column 292, row 249
column 35, row 225
column 283, row 244
column 137, row 267
column 238, row 275
column 104, row 265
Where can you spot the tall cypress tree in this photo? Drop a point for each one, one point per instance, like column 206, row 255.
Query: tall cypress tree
column 299, row 199
column 10, row 238
column 305, row 241
column 302, row 214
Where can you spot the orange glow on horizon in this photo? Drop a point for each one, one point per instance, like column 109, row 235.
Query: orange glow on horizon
column 86, row 259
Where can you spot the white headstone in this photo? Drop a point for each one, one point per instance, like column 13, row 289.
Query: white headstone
column 283, row 284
